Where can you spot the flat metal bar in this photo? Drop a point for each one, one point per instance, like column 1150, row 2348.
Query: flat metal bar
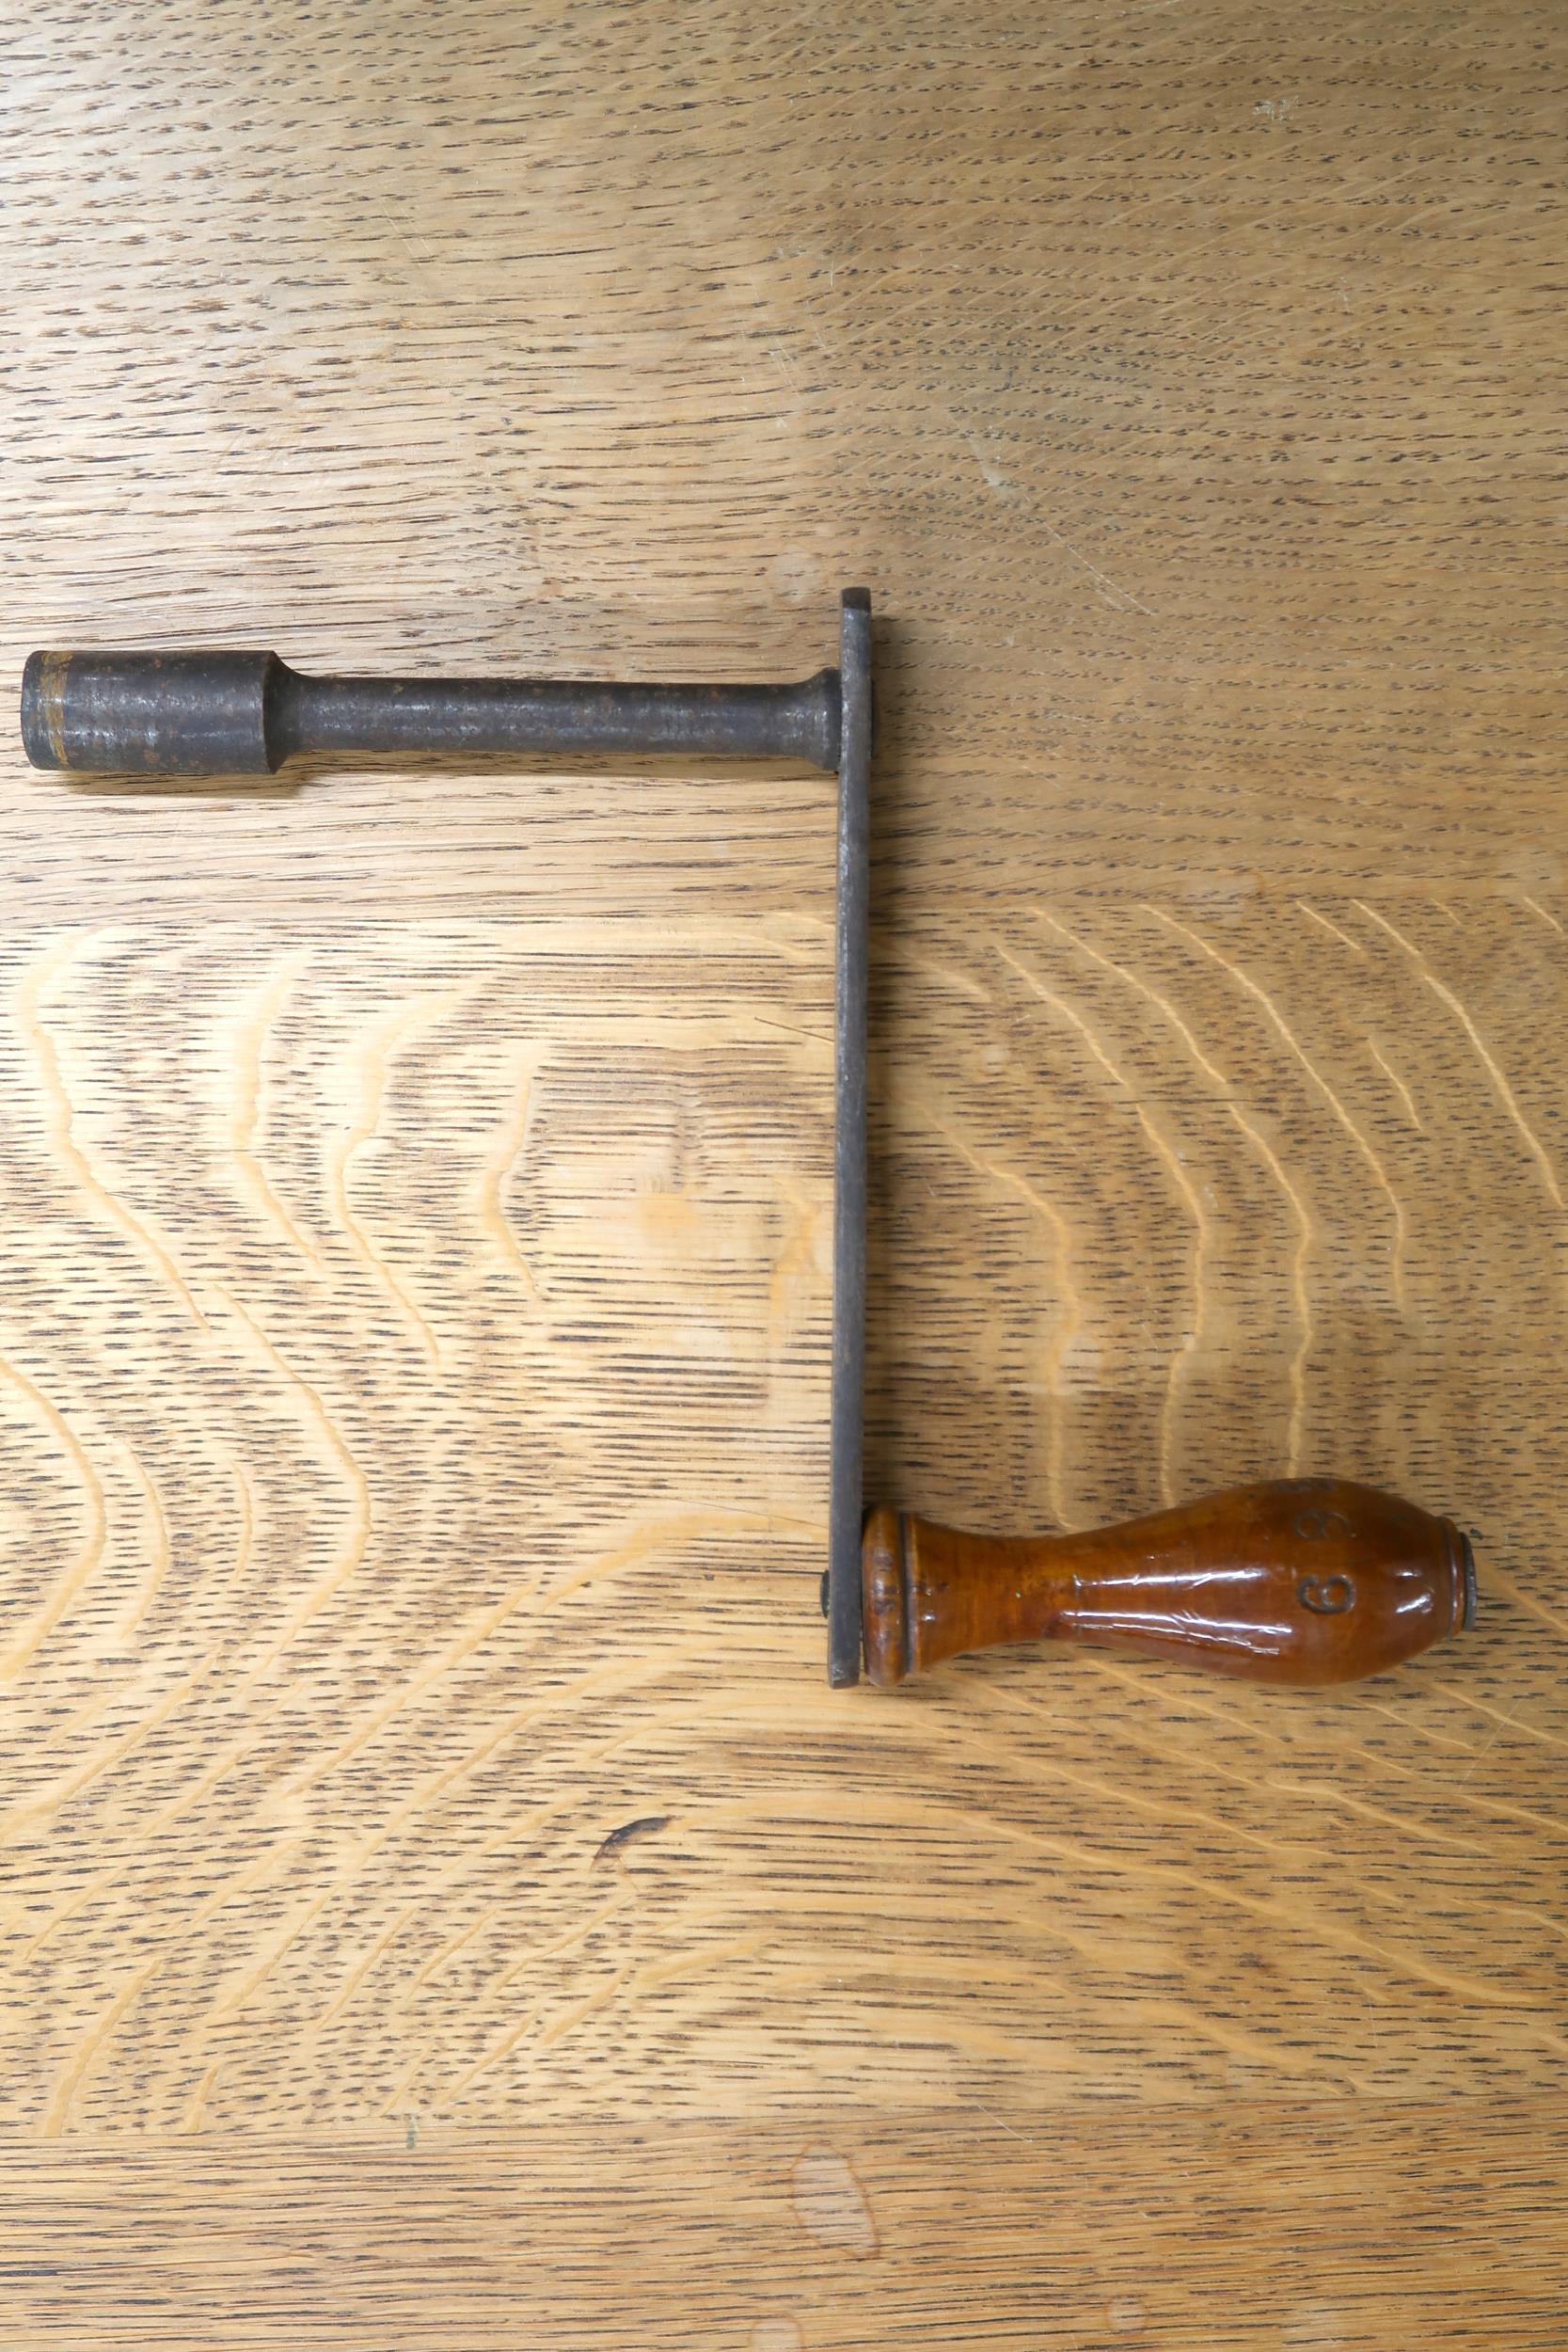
column 847, row 1431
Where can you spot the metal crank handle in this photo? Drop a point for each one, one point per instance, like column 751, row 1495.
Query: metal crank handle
column 1303, row 1581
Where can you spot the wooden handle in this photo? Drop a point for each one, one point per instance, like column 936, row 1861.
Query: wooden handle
column 1299, row 1580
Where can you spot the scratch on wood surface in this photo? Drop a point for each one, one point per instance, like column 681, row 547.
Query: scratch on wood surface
column 1416, row 1725
column 1493, row 1808
column 1196, row 1758
column 1510, row 1718
column 628, row 1832
column 1151, row 1692
column 1112, row 593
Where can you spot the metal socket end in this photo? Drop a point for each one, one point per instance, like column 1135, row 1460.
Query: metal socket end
column 151, row 714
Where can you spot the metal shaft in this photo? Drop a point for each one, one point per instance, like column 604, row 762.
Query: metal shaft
column 227, row 714
column 843, row 1594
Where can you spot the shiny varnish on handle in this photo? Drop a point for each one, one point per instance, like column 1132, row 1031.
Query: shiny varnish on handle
column 1298, row 1580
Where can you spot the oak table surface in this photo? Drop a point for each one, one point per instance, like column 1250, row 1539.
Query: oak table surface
column 442, row 1905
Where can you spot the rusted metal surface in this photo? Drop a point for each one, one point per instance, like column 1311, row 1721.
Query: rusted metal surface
column 245, row 714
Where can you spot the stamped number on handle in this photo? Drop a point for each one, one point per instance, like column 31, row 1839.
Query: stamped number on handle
column 1330, row 1596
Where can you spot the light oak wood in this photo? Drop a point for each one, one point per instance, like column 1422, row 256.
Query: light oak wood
column 1113, row 2227
column 414, row 1187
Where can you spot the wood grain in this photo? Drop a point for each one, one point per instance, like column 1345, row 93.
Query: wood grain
column 1111, row 2230
column 433, row 1864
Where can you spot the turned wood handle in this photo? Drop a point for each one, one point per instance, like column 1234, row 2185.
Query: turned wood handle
column 1299, row 1580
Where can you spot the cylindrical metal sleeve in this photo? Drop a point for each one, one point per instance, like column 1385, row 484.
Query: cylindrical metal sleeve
column 151, row 714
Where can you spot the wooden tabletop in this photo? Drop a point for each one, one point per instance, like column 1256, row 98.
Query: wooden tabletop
column 442, row 1905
